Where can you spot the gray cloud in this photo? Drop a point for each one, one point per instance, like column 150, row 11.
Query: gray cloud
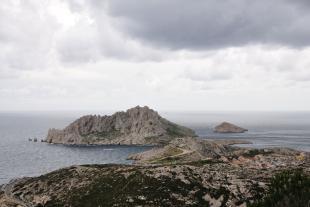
column 94, row 37
column 202, row 75
column 205, row 24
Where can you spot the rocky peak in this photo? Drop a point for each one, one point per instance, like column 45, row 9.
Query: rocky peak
column 140, row 110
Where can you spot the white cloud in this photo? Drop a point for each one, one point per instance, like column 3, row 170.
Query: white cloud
column 26, row 35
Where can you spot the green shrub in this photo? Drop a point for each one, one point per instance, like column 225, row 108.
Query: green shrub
column 289, row 188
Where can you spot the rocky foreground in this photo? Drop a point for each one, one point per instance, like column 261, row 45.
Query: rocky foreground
column 136, row 126
column 186, row 172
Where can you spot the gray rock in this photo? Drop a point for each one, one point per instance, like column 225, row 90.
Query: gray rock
column 138, row 125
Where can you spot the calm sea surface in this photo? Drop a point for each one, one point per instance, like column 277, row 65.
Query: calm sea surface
column 19, row 157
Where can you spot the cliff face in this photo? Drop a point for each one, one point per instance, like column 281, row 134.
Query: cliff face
column 226, row 127
column 139, row 125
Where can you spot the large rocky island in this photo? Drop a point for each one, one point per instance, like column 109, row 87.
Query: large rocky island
column 136, row 126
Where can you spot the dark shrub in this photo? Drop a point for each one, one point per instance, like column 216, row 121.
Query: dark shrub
column 287, row 189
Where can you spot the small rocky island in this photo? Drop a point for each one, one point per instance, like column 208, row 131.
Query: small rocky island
column 136, row 126
column 227, row 127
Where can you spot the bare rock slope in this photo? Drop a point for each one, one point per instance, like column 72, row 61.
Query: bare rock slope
column 138, row 125
column 227, row 127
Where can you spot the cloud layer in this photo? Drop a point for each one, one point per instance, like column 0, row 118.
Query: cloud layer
column 173, row 55
column 183, row 24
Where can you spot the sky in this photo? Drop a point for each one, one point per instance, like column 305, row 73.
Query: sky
column 177, row 55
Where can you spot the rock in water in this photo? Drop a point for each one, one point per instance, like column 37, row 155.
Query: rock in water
column 226, row 127
column 138, row 125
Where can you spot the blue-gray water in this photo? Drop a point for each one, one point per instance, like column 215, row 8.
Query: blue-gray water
column 19, row 157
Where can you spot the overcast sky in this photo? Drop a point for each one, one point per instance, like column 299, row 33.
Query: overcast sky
column 170, row 55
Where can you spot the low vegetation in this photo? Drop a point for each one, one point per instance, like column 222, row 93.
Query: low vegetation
column 254, row 152
column 174, row 130
column 97, row 136
column 287, row 189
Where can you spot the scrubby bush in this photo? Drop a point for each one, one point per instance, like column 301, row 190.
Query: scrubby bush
column 289, row 188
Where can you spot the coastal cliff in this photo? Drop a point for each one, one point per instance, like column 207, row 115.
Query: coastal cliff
column 138, row 126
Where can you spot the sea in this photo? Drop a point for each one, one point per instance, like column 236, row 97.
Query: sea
column 22, row 158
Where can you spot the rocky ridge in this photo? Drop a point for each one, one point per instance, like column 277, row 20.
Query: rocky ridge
column 190, row 149
column 138, row 126
column 227, row 127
